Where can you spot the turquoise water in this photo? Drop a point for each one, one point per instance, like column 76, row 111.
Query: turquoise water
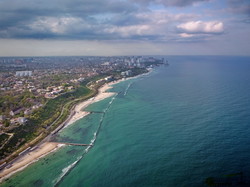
column 174, row 127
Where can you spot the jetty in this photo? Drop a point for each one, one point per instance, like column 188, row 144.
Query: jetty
column 75, row 144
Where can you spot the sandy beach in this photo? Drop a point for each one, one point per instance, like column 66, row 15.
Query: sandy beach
column 29, row 158
column 48, row 147
column 79, row 108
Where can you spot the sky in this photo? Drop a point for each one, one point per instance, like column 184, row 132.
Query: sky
column 124, row 27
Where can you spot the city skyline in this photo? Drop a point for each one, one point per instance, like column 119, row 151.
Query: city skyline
column 124, row 27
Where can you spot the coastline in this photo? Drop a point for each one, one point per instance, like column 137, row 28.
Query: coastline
column 29, row 158
column 79, row 108
column 46, row 147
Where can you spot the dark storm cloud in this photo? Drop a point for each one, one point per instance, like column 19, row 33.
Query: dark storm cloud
column 88, row 19
column 126, row 19
column 240, row 6
column 178, row 3
column 16, row 11
column 24, row 18
column 99, row 20
column 57, row 7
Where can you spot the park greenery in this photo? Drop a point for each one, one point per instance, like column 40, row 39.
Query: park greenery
column 46, row 119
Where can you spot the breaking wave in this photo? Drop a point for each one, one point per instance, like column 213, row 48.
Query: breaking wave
column 66, row 170
column 126, row 91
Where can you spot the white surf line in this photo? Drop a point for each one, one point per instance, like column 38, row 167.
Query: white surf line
column 66, row 170
column 126, row 91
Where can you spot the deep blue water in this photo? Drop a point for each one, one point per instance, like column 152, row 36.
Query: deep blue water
column 177, row 126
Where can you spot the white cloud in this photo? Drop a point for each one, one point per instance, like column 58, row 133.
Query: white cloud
column 185, row 35
column 127, row 31
column 158, row 25
column 211, row 27
column 57, row 25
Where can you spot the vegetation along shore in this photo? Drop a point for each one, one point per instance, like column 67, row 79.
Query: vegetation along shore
column 22, row 144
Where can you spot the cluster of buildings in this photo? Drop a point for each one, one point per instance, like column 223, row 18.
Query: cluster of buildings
column 29, row 73
column 23, row 73
column 48, row 77
column 17, row 115
column 53, row 91
column 126, row 73
column 106, row 79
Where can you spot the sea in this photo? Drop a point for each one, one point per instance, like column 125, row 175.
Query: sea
column 182, row 125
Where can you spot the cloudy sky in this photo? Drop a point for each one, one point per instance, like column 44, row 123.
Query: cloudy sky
column 124, row 27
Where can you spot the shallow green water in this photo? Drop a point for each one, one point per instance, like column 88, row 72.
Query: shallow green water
column 174, row 127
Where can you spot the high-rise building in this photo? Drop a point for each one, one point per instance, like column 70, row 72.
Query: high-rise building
column 23, row 73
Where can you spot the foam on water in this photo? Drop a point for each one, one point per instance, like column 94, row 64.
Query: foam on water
column 126, row 91
column 93, row 140
column 184, row 123
column 67, row 169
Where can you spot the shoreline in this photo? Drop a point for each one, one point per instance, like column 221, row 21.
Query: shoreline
column 29, row 158
column 46, row 147
column 79, row 108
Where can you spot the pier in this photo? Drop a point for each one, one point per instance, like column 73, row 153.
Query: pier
column 75, row 144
